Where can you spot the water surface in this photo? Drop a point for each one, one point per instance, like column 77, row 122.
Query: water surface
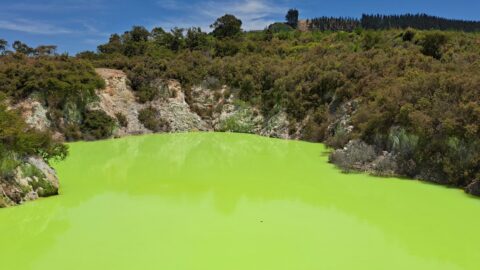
column 228, row 201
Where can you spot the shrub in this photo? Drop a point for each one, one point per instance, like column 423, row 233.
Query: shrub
column 146, row 93
column 313, row 132
column 122, row 119
column 150, row 118
column 8, row 164
column 72, row 132
column 279, row 27
column 408, row 35
column 402, row 143
column 355, row 156
column 227, row 47
column 432, row 44
column 236, row 124
column 371, row 39
column 242, row 121
column 97, row 125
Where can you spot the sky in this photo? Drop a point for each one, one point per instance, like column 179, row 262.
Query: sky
column 78, row 25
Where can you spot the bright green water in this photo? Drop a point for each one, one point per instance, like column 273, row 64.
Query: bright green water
column 228, row 201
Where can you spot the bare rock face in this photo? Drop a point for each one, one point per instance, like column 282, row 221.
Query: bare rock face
column 473, row 188
column 360, row 156
column 218, row 107
column 46, row 182
column 118, row 99
column 33, row 178
column 203, row 109
column 5, row 201
column 356, row 155
column 342, row 126
column 34, row 113
column 211, row 105
column 175, row 110
column 276, row 127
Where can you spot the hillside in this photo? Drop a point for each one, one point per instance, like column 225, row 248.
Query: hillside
column 393, row 102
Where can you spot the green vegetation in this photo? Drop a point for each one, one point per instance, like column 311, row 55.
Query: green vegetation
column 226, row 26
column 64, row 85
column 97, row 125
column 416, row 91
column 279, row 27
column 122, row 119
column 424, row 83
column 432, row 44
column 240, row 122
column 292, row 18
column 151, row 119
column 386, row 22
column 17, row 141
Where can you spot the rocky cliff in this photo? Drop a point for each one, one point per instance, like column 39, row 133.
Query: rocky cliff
column 179, row 110
column 197, row 109
column 204, row 107
column 32, row 178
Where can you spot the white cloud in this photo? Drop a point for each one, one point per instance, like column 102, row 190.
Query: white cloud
column 33, row 27
column 89, row 28
column 255, row 14
column 93, row 41
column 170, row 4
column 55, row 6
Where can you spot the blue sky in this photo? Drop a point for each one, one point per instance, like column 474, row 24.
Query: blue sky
column 76, row 25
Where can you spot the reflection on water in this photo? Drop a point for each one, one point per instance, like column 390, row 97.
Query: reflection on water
column 230, row 201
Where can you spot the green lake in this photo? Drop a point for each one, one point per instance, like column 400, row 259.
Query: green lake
column 219, row 201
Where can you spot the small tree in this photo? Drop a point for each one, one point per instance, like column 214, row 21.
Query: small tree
column 139, row 33
column 292, row 18
column 226, row 26
column 195, row 38
column 114, row 45
column 173, row 40
column 45, row 50
column 3, row 46
column 21, row 47
column 177, row 40
column 157, row 33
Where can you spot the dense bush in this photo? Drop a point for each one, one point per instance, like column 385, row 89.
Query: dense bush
column 97, row 125
column 432, row 44
column 280, row 27
column 122, row 119
column 150, row 118
column 408, row 35
column 56, row 80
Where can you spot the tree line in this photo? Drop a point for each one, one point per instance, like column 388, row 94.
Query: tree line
column 383, row 22
column 23, row 48
column 334, row 24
